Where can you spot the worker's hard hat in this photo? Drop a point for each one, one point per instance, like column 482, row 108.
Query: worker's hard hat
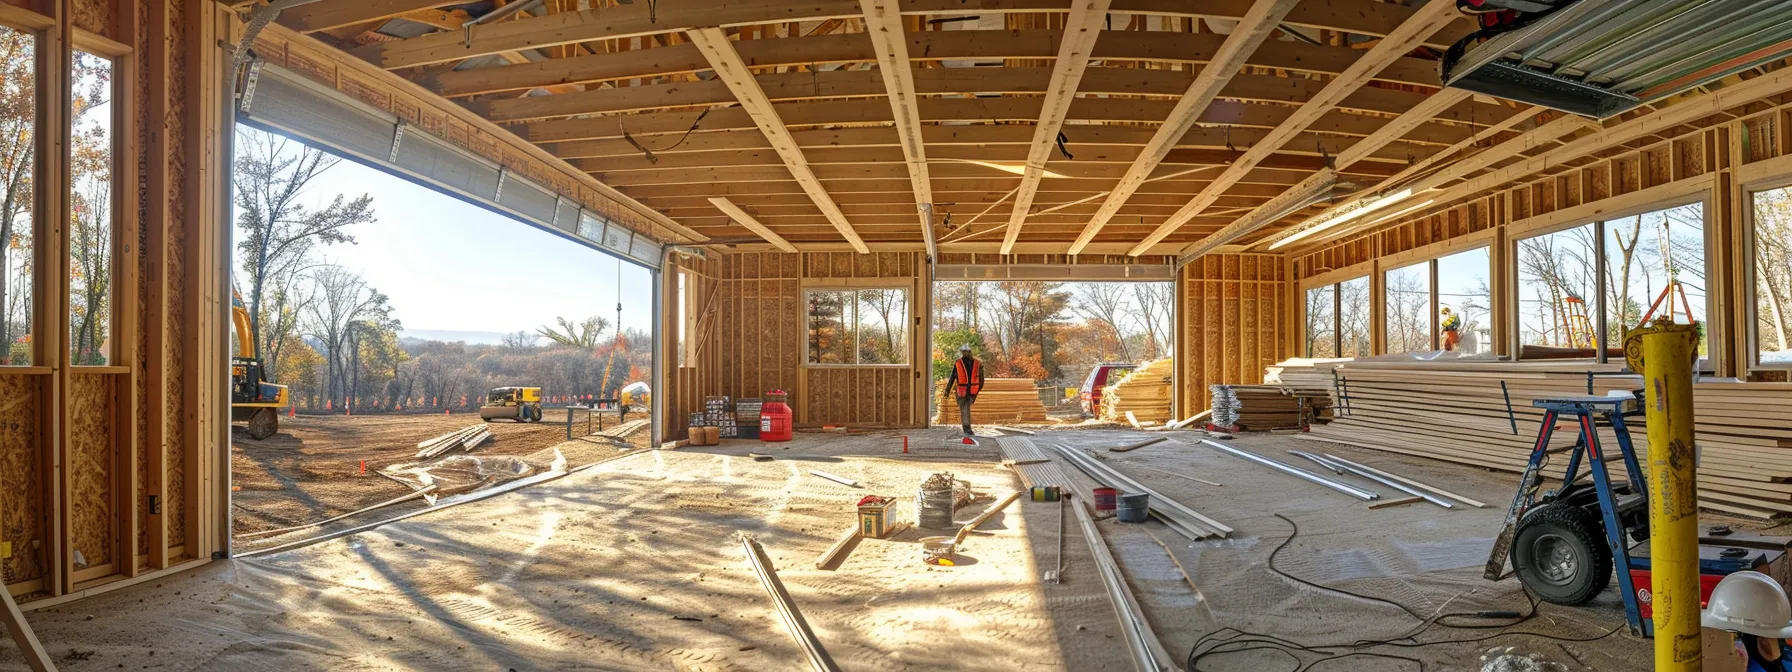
column 1751, row 603
column 966, row 347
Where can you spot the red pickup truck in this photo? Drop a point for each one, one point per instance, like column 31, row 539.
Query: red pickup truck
column 1101, row 376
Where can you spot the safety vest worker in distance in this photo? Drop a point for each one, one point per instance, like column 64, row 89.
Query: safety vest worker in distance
column 970, row 383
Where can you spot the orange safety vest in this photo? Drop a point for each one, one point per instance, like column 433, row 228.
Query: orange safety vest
column 968, row 385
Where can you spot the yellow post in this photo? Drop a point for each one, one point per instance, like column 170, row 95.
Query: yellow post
column 1666, row 351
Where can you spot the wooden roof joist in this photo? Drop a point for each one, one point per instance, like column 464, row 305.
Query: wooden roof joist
column 1365, row 17
column 1272, row 180
column 763, row 170
column 969, row 45
column 968, row 160
column 946, row 81
column 663, row 128
column 330, row 14
column 960, row 200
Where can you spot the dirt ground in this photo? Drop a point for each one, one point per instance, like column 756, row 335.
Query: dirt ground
column 634, row 564
column 311, row 469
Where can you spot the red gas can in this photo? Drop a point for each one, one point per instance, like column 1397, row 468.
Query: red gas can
column 775, row 417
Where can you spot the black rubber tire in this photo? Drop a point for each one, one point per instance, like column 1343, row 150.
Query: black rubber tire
column 1560, row 553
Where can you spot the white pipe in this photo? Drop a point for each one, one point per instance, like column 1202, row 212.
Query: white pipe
column 1297, row 472
column 1387, row 482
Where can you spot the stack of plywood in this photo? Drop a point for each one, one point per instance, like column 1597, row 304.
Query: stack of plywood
column 1002, row 401
column 1459, row 412
column 1145, row 391
column 1256, row 407
column 1310, row 379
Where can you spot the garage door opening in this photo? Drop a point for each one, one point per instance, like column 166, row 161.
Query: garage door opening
column 395, row 345
column 1052, row 350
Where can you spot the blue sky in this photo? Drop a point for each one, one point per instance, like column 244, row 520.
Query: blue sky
column 451, row 265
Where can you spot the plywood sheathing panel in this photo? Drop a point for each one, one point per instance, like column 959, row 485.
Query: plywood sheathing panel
column 174, row 506
column 1232, row 324
column 90, row 462
column 21, row 476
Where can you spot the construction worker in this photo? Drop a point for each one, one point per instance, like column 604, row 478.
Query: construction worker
column 1452, row 326
column 1754, row 606
column 967, row 381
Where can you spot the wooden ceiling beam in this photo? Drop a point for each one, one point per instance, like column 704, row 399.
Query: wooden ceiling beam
column 1246, row 37
column 1431, row 17
column 330, row 14
column 1366, row 17
column 731, row 70
column 883, row 26
column 793, row 86
column 662, row 129
column 927, row 46
column 965, row 158
column 741, row 217
column 1081, row 29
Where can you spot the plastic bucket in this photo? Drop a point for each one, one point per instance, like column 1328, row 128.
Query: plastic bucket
column 1105, row 498
column 1045, row 493
column 1135, row 507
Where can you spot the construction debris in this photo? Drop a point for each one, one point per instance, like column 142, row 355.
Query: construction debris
column 983, row 517
column 1141, row 397
column 837, row 550
column 465, row 438
column 1136, row 446
column 837, row 479
column 425, row 492
column 1395, row 502
column 1002, row 400
column 818, row 657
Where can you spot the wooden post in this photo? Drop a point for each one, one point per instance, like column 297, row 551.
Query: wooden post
column 156, row 240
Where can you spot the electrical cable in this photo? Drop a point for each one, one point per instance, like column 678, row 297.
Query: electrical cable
column 1231, row 640
column 649, row 152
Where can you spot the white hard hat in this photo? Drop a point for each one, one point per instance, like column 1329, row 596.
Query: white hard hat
column 1749, row 602
column 964, row 347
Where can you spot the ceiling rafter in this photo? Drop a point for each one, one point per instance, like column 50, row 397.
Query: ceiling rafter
column 332, row 14
column 733, row 71
column 1251, row 32
column 883, row 25
column 1081, row 29
column 741, row 217
column 1365, row 17
column 1428, row 20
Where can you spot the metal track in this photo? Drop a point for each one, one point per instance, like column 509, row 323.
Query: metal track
column 1148, row 654
column 1170, row 511
column 818, row 657
column 1341, row 468
column 1297, row 472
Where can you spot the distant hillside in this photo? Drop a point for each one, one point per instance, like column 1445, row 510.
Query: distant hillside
column 451, row 335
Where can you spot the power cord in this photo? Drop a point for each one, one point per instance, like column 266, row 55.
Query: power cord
column 1233, row 640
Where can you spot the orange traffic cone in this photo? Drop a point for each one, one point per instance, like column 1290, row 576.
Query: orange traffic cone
column 292, row 411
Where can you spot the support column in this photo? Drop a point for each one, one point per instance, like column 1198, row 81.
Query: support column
column 1666, row 351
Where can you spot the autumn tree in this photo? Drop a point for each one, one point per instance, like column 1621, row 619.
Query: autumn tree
column 587, row 334
column 345, row 306
column 1104, row 303
column 90, row 216
column 18, row 115
column 278, row 230
column 1154, row 301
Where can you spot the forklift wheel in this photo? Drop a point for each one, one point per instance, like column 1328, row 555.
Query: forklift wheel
column 1560, row 554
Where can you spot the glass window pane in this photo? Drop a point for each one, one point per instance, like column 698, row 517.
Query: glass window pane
column 1463, row 289
column 18, row 118
column 830, row 342
column 90, row 216
column 1409, row 308
column 1353, row 317
column 1322, row 338
column 1555, row 289
column 883, row 316
column 1643, row 254
column 1773, row 275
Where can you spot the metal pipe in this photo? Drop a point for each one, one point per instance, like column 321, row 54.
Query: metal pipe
column 1666, row 362
column 1434, row 499
column 1319, row 461
column 1091, row 466
column 1297, row 472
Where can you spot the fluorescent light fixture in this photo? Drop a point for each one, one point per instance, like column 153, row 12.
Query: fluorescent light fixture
column 1342, row 214
column 1014, row 167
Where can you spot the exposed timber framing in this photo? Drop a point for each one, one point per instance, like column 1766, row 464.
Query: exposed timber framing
column 734, row 72
column 883, row 22
column 1081, row 29
column 747, row 220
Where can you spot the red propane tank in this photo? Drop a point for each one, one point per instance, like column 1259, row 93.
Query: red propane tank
column 774, row 417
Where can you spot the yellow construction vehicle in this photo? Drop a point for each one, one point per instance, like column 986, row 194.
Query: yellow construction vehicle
column 252, row 398
column 522, row 404
column 637, row 395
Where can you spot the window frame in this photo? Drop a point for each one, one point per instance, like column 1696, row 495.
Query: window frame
column 907, row 325
column 1431, row 340
column 1335, row 279
column 40, row 278
column 1751, row 330
column 685, row 286
column 100, row 48
column 1674, row 195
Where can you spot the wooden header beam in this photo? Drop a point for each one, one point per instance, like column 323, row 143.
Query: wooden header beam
column 1427, row 21
column 1246, row 37
column 752, row 224
column 1081, row 29
column 883, row 22
column 734, row 72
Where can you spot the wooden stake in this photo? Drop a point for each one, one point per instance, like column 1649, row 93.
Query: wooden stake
column 29, row 647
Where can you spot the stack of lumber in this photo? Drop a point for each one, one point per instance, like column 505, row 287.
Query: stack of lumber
column 1145, row 392
column 1303, row 375
column 1003, row 400
column 1256, row 407
column 1457, row 412
column 465, row 438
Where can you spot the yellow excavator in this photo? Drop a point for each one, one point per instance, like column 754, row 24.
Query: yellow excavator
column 252, row 398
